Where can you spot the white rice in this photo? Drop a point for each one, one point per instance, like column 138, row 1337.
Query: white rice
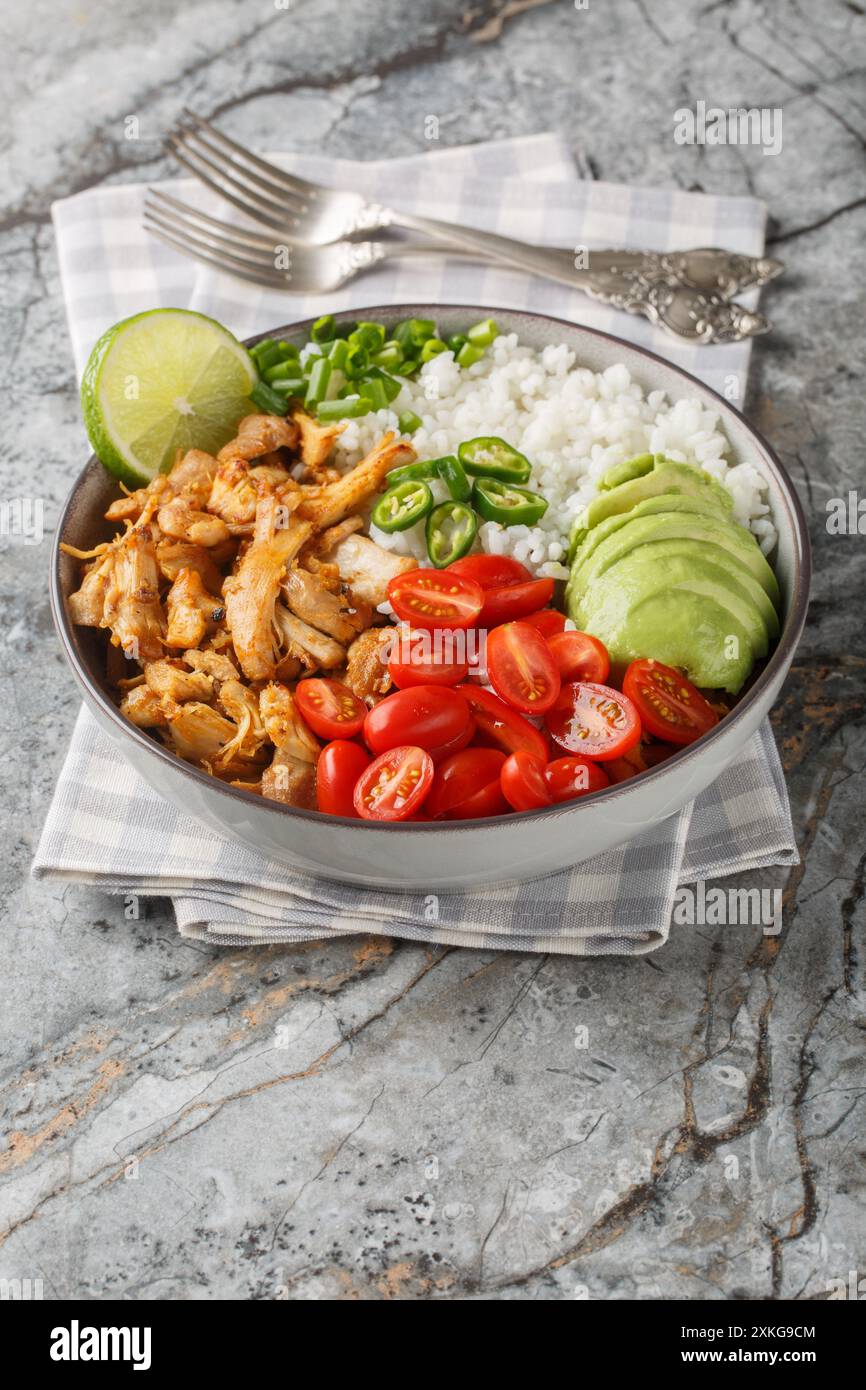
column 571, row 423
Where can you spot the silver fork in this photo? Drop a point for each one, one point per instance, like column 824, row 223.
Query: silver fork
column 687, row 313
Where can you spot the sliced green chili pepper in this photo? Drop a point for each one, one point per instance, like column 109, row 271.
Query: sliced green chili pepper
column 453, row 474
column 507, row 504
column 490, row 457
column 402, row 505
column 450, row 531
column 422, row 469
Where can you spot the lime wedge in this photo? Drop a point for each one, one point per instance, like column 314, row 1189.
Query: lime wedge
column 160, row 381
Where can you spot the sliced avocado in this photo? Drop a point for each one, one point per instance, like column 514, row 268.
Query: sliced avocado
column 584, row 541
column 641, row 527
column 624, row 472
column 689, row 631
column 664, row 479
column 641, row 574
column 659, row 554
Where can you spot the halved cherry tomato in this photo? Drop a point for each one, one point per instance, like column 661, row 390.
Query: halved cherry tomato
column 523, row 782
column 395, row 785
column 490, row 571
column 570, row 777
column 669, row 705
column 436, row 719
column 521, row 668
column 338, row 769
column 579, row 656
column 547, row 620
column 511, row 601
column 330, row 709
column 594, row 721
column 435, row 599
column 499, row 724
column 414, row 660
column 466, row 785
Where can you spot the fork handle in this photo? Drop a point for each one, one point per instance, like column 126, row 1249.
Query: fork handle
column 711, row 269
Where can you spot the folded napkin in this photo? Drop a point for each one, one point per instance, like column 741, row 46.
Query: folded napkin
column 106, row 827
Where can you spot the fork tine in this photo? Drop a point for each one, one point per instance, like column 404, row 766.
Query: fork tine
column 257, row 213
column 277, row 206
column 214, row 241
column 266, row 188
column 223, row 262
column 163, row 202
column 290, row 182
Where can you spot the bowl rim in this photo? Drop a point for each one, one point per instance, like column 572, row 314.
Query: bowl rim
column 779, row 660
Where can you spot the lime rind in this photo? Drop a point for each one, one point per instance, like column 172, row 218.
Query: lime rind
column 163, row 380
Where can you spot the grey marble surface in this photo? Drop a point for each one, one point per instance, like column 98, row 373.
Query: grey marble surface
column 381, row 1120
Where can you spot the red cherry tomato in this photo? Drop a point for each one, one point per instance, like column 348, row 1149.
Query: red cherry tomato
column 435, row 598
column 490, row 571
column 669, row 705
column 570, row 777
column 579, row 656
column 419, row 658
column 499, row 724
column 523, row 782
column 469, row 779
column 330, row 709
column 395, row 785
column 594, row 721
column 512, row 601
column 521, row 668
column 436, row 719
column 547, row 620
column 338, row 769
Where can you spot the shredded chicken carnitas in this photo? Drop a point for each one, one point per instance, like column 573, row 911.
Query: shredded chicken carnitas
column 234, row 577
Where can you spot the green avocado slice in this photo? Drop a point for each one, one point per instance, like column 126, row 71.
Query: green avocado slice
column 641, row 528
column 666, row 502
column 641, row 575
column 690, row 631
column 656, row 561
column 664, row 479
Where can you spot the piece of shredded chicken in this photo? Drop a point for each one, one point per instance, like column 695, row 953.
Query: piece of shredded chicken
column 231, row 578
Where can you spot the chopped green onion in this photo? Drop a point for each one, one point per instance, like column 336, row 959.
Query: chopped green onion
column 412, row 334
column 289, row 386
column 374, row 391
column 258, row 348
column 356, row 362
column 469, row 355
column 368, row 335
column 345, row 407
column 482, row 334
column 322, row 330
column 409, row 422
column 456, row 342
column 338, row 351
column 432, row 348
column 389, row 357
column 408, row 367
column 268, row 356
column 268, row 400
column 391, row 385
column 318, row 385
column 288, row 349
column 289, row 368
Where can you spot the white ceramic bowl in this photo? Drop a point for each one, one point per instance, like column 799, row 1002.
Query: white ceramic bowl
column 454, row 855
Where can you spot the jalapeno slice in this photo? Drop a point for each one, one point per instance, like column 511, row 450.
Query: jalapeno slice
column 422, row 470
column 453, row 474
column 510, row 506
column 402, row 505
column 450, row 532
column 490, row 457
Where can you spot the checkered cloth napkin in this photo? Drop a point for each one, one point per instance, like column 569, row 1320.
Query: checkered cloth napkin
column 106, row 827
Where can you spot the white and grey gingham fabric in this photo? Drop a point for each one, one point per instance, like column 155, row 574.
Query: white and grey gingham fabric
column 106, row 827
